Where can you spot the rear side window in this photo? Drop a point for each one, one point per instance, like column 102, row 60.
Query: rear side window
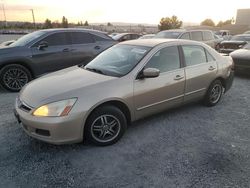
column 134, row 36
column 99, row 38
column 207, row 35
column 196, row 35
column 185, row 36
column 81, row 38
column 194, row 55
column 56, row 39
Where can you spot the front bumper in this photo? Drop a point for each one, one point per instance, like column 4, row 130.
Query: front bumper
column 54, row 130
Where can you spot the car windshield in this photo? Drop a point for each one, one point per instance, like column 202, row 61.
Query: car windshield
column 118, row 36
column 247, row 46
column 118, row 60
column 241, row 38
column 168, row 34
column 24, row 40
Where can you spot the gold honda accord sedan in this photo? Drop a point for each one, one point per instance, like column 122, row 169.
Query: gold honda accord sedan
column 127, row 82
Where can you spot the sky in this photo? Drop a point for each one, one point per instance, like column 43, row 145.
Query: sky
column 129, row 11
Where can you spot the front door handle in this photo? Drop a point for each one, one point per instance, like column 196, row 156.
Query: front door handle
column 97, row 47
column 211, row 68
column 178, row 77
column 65, row 50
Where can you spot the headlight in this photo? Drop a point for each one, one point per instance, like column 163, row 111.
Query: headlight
column 55, row 109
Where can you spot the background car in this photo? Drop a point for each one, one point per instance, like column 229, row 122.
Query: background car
column 147, row 36
column 127, row 82
column 126, row 36
column 247, row 32
column 48, row 50
column 236, row 42
column 7, row 43
column 205, row 36
column 241, row 59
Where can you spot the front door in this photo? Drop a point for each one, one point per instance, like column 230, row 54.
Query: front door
column 152, row 95
column 54, row 57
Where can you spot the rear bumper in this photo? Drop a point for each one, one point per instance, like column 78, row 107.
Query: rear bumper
column 229, row 81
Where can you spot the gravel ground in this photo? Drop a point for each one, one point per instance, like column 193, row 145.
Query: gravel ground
column 192, row 146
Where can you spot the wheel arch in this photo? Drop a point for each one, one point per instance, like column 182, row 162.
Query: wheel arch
column 115, row 102
column 19, row 62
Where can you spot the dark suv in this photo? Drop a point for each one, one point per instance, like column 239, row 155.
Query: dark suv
column 205, row 36
column 48, row 50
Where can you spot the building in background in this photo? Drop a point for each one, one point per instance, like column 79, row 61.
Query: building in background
column 243, row 17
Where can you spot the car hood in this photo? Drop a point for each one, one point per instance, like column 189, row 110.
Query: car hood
column 241, row 53
column 63, row 84
column 233, row 42
column 9, row 49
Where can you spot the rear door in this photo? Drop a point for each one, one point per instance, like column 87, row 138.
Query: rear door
column 201, row 69
column 54, row 57
column 84, row 47
column 152, row 95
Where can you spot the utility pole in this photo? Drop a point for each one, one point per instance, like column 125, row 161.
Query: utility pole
column 33, row 16
column 4, row 15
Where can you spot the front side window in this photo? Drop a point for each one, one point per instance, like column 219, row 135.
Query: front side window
column 196, row 35
column 81, row 38
column 166, row 59
column 56, row 39
column 118, row 60
column 194, row 55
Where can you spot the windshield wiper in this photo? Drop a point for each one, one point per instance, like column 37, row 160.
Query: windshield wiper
column 94, row 70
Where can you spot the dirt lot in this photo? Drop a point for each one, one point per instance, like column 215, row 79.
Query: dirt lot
column 192, row 146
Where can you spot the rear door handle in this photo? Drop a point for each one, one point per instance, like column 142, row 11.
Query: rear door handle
column 66, row 50
column 97, row 47
column 178, row 77
column 211, row 68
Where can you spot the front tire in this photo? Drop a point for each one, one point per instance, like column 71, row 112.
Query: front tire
column 214, row 93
column 13, row 77
column 106, row 125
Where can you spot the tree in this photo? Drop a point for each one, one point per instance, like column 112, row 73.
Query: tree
column 64, row 22
column 86, row 23
column 109, row 24
column 208, row 22
column 47, row 24
column 169, row 23
column 227, row 22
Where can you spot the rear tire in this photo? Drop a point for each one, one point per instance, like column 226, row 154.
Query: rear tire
column 13, row 77
column 105, row 126
column 214, row 93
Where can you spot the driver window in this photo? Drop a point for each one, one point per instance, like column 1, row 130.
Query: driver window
column 166, row 59
column 56, row 39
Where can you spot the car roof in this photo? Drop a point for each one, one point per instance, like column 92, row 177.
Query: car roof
column 184, row 30
column 72, row 29
column 155, row 41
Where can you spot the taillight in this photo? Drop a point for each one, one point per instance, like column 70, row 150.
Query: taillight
column 232, row 66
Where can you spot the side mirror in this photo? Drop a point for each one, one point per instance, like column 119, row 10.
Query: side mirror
column 149, row 73
column 42, row 45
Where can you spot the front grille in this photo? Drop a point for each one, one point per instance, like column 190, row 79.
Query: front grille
column 22, row 105
column 25, row 108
